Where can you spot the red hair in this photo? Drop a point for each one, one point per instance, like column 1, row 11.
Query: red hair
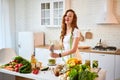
column 73, row 24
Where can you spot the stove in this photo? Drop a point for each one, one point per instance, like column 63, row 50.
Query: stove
column 108, row 48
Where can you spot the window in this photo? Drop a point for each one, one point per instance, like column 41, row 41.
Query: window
column 58, row 10
column 45, row 14
column 51, row 13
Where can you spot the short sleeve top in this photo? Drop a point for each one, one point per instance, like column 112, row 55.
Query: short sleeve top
column 66, row 41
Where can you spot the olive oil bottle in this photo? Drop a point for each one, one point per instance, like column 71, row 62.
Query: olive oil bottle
column 33, row 61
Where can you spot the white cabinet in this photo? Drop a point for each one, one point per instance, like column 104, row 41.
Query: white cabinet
column 25, row 44
column 117, row 67
column 85, row 56
column 106, row 61
column 52, row 12
column 27, row 41
column 42, row 55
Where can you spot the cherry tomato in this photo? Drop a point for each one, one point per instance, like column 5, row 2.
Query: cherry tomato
column 35, row 71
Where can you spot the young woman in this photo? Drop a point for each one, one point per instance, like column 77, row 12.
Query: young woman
column 70, row 36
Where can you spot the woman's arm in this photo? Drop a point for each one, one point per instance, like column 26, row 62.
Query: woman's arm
column 74, row 47
column 71, row 51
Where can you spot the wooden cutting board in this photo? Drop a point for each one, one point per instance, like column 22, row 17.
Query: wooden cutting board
column 88, row 35
column 39, row 38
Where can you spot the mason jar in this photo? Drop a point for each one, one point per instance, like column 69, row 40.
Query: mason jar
column 87, row 62
column 95, row 64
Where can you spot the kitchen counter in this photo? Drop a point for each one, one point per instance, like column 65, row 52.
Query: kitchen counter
column 89, row 50
column 99, row 52
column 47, row 75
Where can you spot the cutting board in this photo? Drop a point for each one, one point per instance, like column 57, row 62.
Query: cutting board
column 88, row 35
column 39, row 39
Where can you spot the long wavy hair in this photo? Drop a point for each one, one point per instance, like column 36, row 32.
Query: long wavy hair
column 64, row 26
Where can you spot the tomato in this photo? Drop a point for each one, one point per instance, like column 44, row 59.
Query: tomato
column 35, row 71
column 20, row 65
column 16, row 66
column 15, row 61
column 16, row 69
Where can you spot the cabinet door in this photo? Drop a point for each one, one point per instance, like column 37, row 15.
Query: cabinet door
column 106, row 62
column 25, row 44
column 42, row 55
column 85, row 56
column 117, row 67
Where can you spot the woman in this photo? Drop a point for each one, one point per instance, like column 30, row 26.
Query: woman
column 70, row 35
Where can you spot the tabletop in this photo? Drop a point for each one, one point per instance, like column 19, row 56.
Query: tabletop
column 47, row 75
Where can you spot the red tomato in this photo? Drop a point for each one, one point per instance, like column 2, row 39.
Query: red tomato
column 16, row 69
column 16, row 66
column 15, row 61
column 35, row 71
column 20, row 65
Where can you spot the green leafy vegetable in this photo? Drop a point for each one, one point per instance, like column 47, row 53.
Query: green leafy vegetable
column 82, row 72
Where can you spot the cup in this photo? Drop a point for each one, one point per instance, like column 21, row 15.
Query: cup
column 51, row 61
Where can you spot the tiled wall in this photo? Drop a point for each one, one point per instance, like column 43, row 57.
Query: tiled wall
column 88, row 11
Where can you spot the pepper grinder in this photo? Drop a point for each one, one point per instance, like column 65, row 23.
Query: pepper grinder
column 52, row 48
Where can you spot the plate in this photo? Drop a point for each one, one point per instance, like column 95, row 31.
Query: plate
column 51, row 64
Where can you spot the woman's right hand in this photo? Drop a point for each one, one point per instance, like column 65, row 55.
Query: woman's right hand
column 54, row 55
column 51, row 48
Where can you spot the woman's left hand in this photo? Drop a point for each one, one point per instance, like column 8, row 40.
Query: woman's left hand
column 54, row 55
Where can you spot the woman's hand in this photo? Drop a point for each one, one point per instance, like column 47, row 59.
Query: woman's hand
column 54, row 55
column 51, row 48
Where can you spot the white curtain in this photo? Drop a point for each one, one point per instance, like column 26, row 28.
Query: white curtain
column 5, row 31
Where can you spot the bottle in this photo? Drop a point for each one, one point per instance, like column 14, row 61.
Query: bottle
column 33, row 61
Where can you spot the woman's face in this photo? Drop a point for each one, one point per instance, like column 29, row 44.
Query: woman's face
column 69, row 17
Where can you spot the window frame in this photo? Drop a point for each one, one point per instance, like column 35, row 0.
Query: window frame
column 51, row 12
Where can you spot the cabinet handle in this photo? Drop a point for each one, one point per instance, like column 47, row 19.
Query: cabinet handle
column 19, row 45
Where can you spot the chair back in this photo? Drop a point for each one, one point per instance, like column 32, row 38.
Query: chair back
column 6, row 55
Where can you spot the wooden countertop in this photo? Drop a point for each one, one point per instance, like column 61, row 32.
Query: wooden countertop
column 97, row 51
column 89, row 50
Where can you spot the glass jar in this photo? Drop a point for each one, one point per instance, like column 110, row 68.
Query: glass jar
column 95, row 64
column 87, row 62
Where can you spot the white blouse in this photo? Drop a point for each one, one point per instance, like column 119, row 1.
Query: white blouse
column 66, row 41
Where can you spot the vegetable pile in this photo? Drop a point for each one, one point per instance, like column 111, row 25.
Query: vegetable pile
column 78, row 71
column 18, row 64
column 81, row 72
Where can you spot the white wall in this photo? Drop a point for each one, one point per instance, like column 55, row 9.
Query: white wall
column 28, row 19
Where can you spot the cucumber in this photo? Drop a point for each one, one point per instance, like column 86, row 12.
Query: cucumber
column 45, row 69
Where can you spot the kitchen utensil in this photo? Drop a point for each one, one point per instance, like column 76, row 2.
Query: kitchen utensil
column 88, row 35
